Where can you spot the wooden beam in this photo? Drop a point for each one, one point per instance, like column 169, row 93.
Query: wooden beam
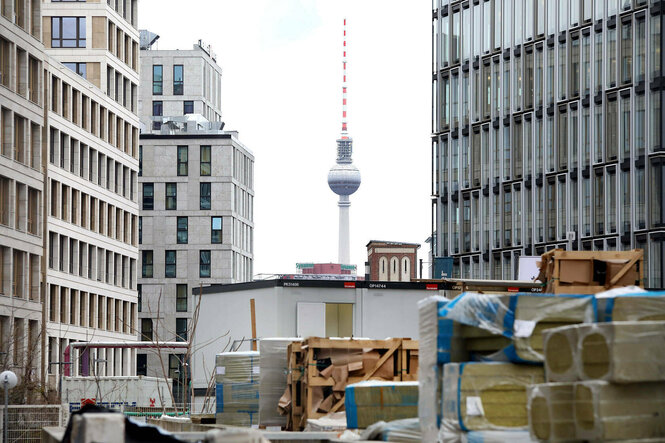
column 636, row 256
column 252, row 308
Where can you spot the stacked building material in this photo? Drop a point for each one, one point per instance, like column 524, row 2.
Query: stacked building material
column 237, row 388
column 487, row 396
column 272, row 380
column 321, row 368
column 369, row 402
column 613, row 381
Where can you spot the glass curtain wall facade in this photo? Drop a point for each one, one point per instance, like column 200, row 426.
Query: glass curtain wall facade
column 546, row 131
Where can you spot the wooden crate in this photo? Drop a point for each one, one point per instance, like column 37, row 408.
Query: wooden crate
column 305, row 374
column 295, row 384
column 408, row 360
column 551, row 272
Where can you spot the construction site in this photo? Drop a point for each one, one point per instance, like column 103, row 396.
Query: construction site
column 576, row 355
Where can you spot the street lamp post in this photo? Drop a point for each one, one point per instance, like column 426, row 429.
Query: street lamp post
column 9, row 381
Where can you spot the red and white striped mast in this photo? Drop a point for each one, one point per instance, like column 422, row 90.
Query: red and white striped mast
column 344, row 129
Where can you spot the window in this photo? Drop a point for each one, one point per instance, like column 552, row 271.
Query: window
column 586, row 64
column 205, row 196
column 574, row 83
column 183, row 152
column 175, row 368
column 142, row 364
column 181, row 298
column 140, row 160
column 611, row 57
column 182, row 230
column 157, row 112
column 68, row 32
column 188, row 107
column 157, row 79
column 626, row 52
column 171, row 196
column 657, row 194
column 640, row 49
column 146, row 263
column 170, row 267
column 204, row 264
column 140, row 230
column 79, row 68
column 611, row 129
column 178, row 80
column 146, row 329
column 216, row 235
column 148, row 196
column 139, row 291
column 205, row 160
column 180, row 329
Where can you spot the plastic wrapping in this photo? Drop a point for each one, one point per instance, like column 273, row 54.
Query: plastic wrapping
column 272, row 379
column 551, row 413
column 605, row 411
column 237, row 388
column 434, row 351
column 497, row 437
column 369, row 402
column 487, row 396
column 560, row 346
column 520, row 318
column 636, row 306
column 620, row 352
column 405, row 431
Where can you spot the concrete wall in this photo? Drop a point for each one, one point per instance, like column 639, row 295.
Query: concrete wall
column 116, row 391
column 378, row 313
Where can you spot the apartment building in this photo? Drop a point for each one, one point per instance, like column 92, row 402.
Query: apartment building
column 177, row 83
column 91, row 181
column 547, row 131
column 22, row 105
column 68, row 182
column 197, row 189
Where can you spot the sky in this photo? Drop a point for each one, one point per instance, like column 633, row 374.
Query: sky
column 281, row 66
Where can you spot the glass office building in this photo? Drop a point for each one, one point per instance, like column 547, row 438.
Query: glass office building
column 547, row 131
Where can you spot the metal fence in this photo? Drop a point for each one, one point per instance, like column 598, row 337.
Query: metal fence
column 26, row 422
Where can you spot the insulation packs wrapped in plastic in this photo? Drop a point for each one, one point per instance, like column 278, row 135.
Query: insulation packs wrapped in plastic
column 513, row 324
column 404, row 431
column 597, row 411
column 272, row 379
column 369, row 402
column 551, row 412
column 436, row 345
column 487, row 396
column 237, row 388
column 637, row 306
column 621, row 352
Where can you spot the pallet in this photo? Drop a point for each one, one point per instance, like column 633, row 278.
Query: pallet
column 294, row 383
column 551, row 273
column 304, row 373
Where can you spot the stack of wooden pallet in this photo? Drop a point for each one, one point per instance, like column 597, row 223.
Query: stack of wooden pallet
column 321, row 368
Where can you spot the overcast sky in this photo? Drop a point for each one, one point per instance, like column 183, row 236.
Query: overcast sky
column 281, row 89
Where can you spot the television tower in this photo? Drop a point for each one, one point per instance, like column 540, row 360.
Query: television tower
column 344, row 177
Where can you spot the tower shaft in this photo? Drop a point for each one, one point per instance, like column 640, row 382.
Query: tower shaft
column 344, row 205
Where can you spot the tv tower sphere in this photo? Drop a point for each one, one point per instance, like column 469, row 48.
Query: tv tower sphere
column 344, row 179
